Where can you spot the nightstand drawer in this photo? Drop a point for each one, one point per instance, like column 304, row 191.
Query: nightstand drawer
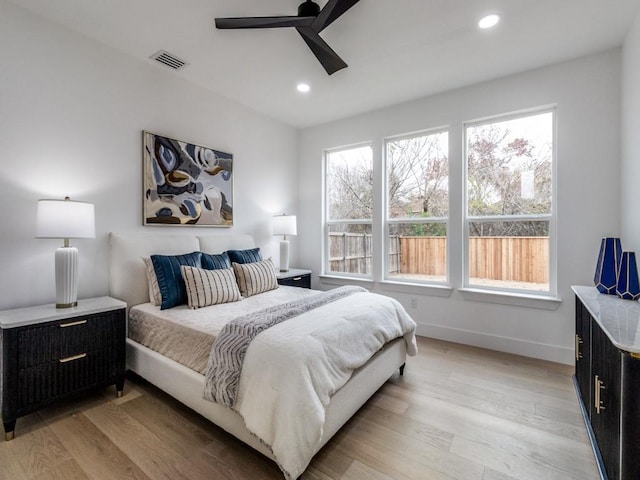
column 302, row 281
column 52, row 341
column 46, row 382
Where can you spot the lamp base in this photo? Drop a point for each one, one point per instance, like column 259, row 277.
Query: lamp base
column 67, row 305
column 66, row 277
column 284, row 255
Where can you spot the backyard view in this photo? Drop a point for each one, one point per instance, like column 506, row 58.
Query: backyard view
column 508, row 206
column 509, row 201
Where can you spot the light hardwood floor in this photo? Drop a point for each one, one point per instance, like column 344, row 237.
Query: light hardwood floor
column 458, row 413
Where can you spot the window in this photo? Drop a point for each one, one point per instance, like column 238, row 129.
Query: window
column 509, row 222
column 412, row 218
column 349, row 211
column 417, row 196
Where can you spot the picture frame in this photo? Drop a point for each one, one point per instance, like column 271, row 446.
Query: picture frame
column 185, row 183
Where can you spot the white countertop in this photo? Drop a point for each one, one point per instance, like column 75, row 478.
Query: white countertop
column 47, row 313
column 620, row 319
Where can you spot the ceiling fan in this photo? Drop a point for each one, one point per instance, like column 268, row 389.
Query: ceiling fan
column 309, row 22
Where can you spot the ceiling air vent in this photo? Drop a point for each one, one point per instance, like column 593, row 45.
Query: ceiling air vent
column 169, row 60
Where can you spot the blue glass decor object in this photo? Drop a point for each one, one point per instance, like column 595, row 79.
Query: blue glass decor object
column 628, row 286
column 606, row 277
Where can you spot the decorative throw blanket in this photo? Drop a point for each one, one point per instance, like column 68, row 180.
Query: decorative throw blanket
column 230, row 346
column 291, row 370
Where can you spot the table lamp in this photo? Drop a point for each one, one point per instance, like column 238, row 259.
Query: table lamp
column 65, row 219
column 284, row 225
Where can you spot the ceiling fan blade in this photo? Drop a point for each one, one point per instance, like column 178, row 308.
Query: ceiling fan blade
column 264, row 22
column 331, row 11
column 323, row 52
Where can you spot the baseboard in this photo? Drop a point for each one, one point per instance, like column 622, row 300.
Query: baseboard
column 552, row 353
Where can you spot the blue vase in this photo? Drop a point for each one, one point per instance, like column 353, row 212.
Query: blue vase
column 606, row 277
column 628, row 286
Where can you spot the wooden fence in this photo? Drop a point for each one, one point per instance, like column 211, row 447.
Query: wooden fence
column 516, row 259
column 350, row 252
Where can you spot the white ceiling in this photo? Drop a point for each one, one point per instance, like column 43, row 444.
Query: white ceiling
column 396, row 50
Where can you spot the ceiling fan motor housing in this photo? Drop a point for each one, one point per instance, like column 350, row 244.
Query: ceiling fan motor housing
column 308, row 9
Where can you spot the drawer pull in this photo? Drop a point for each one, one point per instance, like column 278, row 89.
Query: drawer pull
column 73, row 324
column 578, row 342
column 71, row 359
column 295, row 279
column 599, row 385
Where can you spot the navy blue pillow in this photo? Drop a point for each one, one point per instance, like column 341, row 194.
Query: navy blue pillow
column 216, row 262
column 170, row 281
column 245, row 256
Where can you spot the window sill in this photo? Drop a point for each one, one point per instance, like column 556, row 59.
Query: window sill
column 545, row 302
column 344, row 279
column 389, row 286
column 416, row 288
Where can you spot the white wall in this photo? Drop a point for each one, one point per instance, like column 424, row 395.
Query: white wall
column 72, row 112
column 630, row 169
column 587, row 94
column 71, row 116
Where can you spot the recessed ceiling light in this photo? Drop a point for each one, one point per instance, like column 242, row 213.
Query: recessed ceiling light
column 489, row 21
column 303, row 87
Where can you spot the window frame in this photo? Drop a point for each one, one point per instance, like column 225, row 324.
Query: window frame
column 549, row 217
column 388, row 221
column 327, row 223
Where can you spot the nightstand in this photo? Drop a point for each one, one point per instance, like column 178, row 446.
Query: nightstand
column 295, row 277
column 49, row 354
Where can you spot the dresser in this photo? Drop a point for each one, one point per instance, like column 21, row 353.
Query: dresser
column 50, row 354
column 607, row 378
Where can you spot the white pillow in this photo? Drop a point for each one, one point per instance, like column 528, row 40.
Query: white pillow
column 209, row 287
column 256, row 277
column 155, row 297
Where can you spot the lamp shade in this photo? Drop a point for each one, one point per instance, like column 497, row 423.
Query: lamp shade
column 65, row 219
column 284, row 225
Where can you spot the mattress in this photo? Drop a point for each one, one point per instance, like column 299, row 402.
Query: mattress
column 186, row 336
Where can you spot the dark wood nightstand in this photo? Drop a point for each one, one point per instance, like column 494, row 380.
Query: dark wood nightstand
column 49, row 354
column 295, row 277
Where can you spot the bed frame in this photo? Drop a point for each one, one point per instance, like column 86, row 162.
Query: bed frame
column 128, row 282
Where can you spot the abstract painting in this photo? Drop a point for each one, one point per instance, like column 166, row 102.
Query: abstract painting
column 186, row 184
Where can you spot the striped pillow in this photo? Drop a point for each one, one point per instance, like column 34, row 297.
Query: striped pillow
column 209, row 287
column 215, row 262
column 170, row 282
column 256, row 277
column 155, row 297
column 245, row 256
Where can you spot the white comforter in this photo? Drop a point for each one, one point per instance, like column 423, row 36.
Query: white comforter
column 291, row 370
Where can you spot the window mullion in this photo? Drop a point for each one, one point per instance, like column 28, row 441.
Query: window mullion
column 509, row 218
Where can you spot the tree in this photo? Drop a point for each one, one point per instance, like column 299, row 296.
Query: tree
column 497, row 162
column 350, row 187
column 418, row 183
column 418, row 176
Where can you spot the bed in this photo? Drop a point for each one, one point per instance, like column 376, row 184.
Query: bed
column 128, row 282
